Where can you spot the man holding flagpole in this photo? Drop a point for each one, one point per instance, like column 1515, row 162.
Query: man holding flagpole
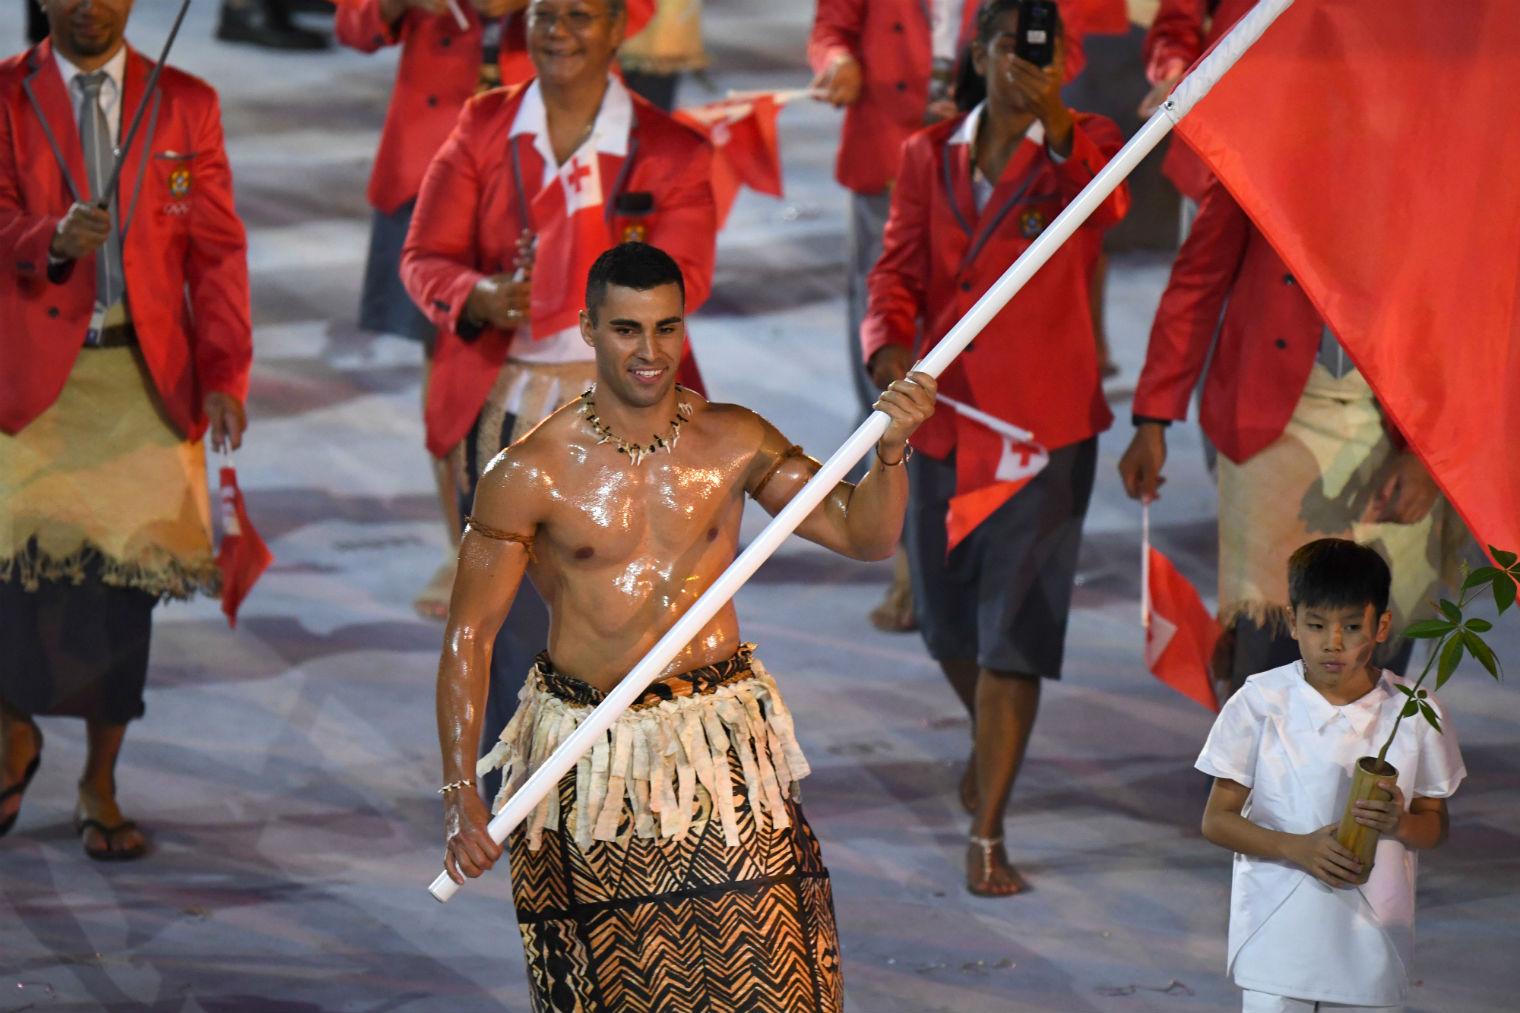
column 533, row 184
column 126, row 337
column 1305, row 449
column 672, row 869
column 997, row 510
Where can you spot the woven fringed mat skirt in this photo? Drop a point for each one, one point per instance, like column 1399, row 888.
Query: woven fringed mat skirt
column 674, row 870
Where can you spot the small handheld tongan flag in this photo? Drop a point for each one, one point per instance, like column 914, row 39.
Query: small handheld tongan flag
column 1180, row 634
column 243, row 556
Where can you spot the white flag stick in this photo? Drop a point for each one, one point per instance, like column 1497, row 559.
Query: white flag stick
column 1189, row 91
column 783, row 97
column 1145, row 564
column 459, row 18
column 997, row 425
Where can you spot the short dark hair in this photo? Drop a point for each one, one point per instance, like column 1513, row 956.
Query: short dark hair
column 1336, row 573
column 638, row 266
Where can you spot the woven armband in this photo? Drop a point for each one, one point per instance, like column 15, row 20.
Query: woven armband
column 786, row 455
column 526, row 541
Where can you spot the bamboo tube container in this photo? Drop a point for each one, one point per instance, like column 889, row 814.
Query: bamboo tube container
column 1363, row 840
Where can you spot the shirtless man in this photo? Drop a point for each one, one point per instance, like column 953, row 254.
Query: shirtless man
column 644, row 857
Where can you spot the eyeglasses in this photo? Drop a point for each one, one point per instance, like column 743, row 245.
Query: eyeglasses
column 576, row 22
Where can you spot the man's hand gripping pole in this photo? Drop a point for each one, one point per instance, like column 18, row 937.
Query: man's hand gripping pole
column 1189, row 91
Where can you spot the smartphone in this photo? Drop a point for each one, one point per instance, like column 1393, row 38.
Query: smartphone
column 1036, row 41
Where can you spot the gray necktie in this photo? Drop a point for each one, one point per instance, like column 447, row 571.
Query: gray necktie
column 99, row 160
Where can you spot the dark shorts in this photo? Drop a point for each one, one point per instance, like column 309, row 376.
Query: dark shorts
column 384, row 306
column 75, row 650
column 1003, row 596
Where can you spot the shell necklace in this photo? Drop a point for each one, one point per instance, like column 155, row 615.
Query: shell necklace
column 636, row 451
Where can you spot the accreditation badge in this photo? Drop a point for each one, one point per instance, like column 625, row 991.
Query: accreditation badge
column 179, row 183
column 1032, row 223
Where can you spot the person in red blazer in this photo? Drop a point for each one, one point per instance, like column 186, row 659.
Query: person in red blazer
column 1270, row 341
column 442, row 65
column 467, row 260
column 1182, row 32
column 889, row 65
column 971, row 195
column 103, row 501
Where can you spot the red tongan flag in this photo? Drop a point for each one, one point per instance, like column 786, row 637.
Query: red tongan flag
column 746, row 150
column 1179, row 631
column 243, row 556
column 1375, row 145
column 568, row 220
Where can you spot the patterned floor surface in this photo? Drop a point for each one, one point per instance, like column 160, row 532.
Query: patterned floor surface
column 285, row 770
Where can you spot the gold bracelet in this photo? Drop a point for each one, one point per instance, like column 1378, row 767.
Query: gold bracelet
column 456, row 785
column 907, row 453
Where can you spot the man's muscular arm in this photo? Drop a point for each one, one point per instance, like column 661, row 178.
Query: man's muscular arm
column 861, row 521
column 493, row 557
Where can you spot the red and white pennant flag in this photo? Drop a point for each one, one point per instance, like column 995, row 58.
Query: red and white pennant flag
column 746, row 148
column 571, row 229
column 994, row 460
column 1179, row 631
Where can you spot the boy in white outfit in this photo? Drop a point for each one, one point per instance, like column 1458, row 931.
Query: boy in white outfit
column 1303, row 936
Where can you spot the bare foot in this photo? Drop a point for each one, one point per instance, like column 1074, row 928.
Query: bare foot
column 107, row 834
column 969, row 795
column 22, row 749
column 433, row 602
column 988, row 873
column 895, row 614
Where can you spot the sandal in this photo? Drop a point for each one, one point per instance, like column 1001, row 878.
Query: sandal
column 108, row 853
column 20, row 786
column 986, row 844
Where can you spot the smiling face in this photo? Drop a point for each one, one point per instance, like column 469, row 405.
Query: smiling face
column 638, row 336
column 1337, row 641
column 87, row 32
column 573, row 40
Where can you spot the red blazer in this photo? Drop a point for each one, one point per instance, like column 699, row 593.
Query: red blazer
column 1036, row 363
column 438, row 72
column 1182, row 32
column 184, row 252
column 470, row 213
column 891, row 40
column 1267, row 343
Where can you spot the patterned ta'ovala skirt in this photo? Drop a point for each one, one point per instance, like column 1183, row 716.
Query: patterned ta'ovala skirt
column 674, row 870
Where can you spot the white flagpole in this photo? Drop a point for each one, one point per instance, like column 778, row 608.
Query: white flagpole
column 1188, row 92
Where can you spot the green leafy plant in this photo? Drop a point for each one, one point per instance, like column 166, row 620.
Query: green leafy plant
column 1458, row 635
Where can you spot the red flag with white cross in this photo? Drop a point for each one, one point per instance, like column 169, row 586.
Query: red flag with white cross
column 571, row 229
column 1180, row 634
column 994, row 459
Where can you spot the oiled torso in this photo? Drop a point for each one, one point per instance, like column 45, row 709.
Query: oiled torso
column 622, row 550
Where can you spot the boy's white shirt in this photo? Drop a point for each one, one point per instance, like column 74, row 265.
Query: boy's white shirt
column 1295, row 750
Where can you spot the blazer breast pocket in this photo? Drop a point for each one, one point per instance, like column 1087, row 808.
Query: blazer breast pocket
column 170, row 188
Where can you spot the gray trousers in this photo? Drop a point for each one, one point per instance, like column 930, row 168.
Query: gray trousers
column 868, row 219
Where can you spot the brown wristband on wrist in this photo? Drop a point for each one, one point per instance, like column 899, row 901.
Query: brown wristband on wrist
column 907, row 453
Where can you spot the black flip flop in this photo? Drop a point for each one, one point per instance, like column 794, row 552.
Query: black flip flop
column 20, row 786
column 109, row 854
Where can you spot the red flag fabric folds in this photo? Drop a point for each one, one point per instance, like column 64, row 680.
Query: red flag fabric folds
column 746, row 150
column 567, row 219
column 1375, row 147
column 243, row 556
column 1179, row 632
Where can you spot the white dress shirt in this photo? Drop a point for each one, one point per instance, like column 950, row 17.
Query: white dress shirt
column 110, row 91
column 609, row 136
column 1290, row 934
